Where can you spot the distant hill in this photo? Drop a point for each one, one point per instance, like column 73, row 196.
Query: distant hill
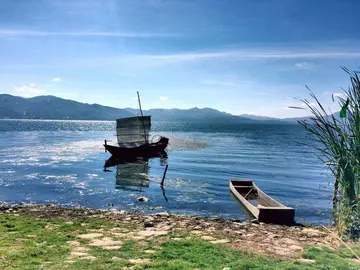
column 195, row 115
column 257, row 117
column 296, row 119
column 50, row 107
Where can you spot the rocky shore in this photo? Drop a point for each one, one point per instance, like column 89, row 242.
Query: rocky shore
column 270, row 240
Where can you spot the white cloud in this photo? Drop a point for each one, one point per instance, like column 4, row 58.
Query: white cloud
column 21, row 32
column 207, row 91
column 241, row 54
column 249, row 54
column 164, row 98
column 227, row 82
column 338, row 95
column 56, row 80
column 28, row 91
column 304, row 65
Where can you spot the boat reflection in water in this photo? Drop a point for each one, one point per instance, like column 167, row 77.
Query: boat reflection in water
column 132, row 174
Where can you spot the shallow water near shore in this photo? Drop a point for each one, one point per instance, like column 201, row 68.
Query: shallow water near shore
column 61, row 162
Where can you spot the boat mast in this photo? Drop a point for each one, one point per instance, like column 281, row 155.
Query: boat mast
column 142, row 116
column 139, row 103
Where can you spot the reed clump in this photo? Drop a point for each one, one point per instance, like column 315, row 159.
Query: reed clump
column 337, row 139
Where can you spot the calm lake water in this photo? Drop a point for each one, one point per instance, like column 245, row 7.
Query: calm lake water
column 62, row 162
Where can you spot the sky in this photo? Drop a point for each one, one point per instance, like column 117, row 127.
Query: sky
column 237, row 56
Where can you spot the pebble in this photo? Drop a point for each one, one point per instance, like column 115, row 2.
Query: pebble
column 148, row 224
column 161, row 214
column 255, row 222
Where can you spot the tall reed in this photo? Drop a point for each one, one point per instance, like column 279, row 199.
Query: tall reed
column 339, row 140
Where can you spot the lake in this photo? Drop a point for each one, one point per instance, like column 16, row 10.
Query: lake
column 61, row 162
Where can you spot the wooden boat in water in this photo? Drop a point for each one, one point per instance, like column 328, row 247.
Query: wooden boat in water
column 133, row 138
column 268, row 210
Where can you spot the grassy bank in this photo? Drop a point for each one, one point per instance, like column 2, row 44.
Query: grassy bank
column 41, row 241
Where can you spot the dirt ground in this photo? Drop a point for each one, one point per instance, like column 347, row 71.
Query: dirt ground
column 270, row 240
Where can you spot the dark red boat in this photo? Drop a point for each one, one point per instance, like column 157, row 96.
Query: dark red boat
column 133, row 138
column 144, row 150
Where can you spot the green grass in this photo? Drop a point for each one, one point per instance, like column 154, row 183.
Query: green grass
column 29, row 243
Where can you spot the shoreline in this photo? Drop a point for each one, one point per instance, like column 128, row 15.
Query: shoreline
column 258, row 238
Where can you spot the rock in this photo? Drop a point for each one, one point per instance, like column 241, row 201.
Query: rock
column 91, row 258
column 136, row 261
column 148, row 224
column 78, row 254
column 221, row 241
column 142, row 244
column 121, row 235
column 80, row 249
column 273, row 236
column 163, row 214
column 149, row 218
column 106, row 243
column 164, row 228
column 73, row 243
column 280, row 251
column 312, row 232
column 111, row 247
column 208, row 238
column 287, row 241
column 151, row 233
column 142, row 199
column 306, row 261
column 254, row 221
column 295, row 248
column 90, row 235
column 149, row 251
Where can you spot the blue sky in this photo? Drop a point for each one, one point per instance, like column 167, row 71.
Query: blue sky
column 238, row 56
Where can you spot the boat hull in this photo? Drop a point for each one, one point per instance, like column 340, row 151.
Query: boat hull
column 269, row 210
column 145, row 150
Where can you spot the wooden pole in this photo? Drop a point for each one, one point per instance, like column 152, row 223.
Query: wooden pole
column 163, row 190
column 145, row 137
column 162, row 181
column 139, row 103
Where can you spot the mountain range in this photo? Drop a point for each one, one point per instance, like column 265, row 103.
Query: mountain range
column 51, row 107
